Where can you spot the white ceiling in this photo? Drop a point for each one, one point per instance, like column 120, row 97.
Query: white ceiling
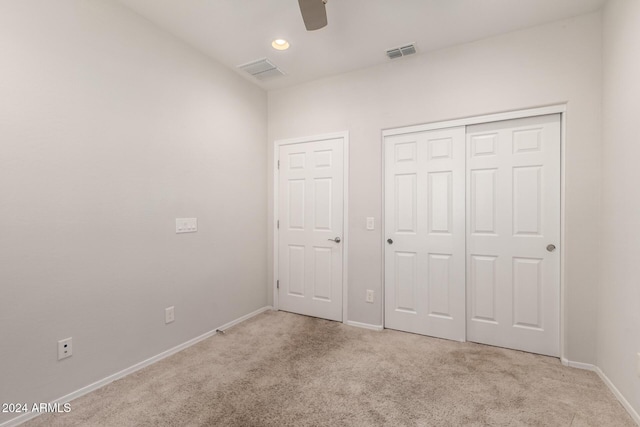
column 235, row 32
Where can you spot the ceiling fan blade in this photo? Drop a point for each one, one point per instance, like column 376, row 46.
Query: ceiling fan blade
column 314, row 14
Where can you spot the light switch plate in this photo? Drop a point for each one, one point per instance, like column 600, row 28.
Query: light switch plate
column 169, row 314
column 186, row 225
column 370, row 223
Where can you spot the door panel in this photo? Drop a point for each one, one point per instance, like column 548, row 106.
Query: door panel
column 483, row 201
column 406, row 203
column 322, row 269
column 527, row 292
column 483, row 288
column 527, row 201
column 513, row 213
column 295, row 280
column 405, row 276
column 424, row 218
column 440, row 201
column 439, row 285
column 310, row 207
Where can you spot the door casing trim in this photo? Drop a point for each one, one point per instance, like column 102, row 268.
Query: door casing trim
column 345, row 207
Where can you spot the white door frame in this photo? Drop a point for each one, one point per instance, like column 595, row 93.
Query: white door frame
column 508, row 115
column 345, row 206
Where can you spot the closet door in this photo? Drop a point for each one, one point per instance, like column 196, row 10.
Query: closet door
column 424, row 233
column 513, row 234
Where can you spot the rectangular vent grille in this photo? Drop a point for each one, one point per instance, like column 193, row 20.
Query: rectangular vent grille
column 399, row 52
column 262, row 69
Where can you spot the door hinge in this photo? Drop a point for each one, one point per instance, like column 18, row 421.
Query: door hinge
column 278, row 225
column 278, row 164
column 277, row 284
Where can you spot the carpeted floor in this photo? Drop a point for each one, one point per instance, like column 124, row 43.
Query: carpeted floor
column 281, row 369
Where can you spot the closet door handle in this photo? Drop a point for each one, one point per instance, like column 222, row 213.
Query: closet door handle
column 390, row 241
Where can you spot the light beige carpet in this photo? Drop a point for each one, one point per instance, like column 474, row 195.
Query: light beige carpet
column 281, row 369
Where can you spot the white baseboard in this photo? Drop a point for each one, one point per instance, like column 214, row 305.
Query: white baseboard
column 623, row 401
column 103, row 382
column 363, row 325
column 578, row 365
column 239, row 320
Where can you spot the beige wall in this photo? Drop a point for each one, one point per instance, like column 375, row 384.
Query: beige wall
column 619, row 300
column 550, row 64
column 109, row 130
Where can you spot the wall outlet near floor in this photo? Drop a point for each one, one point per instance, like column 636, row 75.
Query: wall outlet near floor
column 169, row 314
column 65, row 348
column 369, row 296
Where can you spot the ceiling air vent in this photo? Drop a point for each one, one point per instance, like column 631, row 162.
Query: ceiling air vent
column 261, row 69
column 399, row 52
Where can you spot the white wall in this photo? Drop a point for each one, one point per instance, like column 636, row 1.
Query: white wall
column 109, row 130
column 619, row 301
column 550, row 64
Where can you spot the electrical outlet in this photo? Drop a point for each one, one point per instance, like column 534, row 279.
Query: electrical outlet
column 370, row 223
column 65, row 348
column 169, row 315
column 369, row 296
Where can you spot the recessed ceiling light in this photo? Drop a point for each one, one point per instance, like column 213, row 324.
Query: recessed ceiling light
column 280, row 44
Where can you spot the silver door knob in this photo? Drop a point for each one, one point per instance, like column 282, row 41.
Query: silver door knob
column 390, row 241
column 551, row 248
column 337, row 240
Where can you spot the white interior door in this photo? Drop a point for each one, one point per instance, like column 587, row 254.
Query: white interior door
column 513, row 214
column 310, row 211
column 424, row 228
